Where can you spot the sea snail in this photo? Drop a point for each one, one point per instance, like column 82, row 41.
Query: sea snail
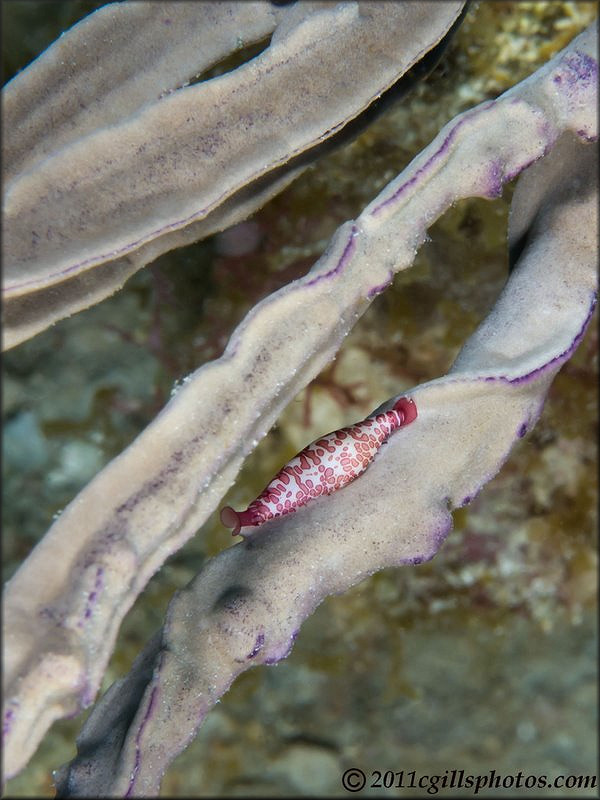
column 324, row 466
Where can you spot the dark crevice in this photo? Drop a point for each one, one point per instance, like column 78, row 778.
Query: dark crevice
column 387, row 99
column 356, row 126
column 232, row 61
column 516, row 250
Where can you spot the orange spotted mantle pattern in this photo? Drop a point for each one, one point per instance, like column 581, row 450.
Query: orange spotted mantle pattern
column 322, row 467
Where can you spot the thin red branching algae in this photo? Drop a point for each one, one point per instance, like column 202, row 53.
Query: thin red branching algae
column 343, row 393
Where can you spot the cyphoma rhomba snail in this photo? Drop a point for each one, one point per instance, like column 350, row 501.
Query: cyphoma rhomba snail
column 324, row 466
